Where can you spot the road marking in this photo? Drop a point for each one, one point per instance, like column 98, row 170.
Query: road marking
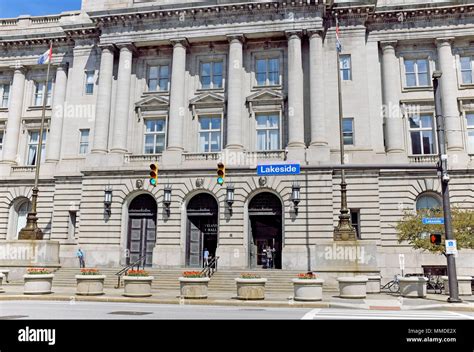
column 383, row 315
column 311, row 314
column 465, row 316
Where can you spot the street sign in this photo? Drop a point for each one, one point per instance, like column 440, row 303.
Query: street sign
column 433, row 221
column 278, row 169
column 451, row 247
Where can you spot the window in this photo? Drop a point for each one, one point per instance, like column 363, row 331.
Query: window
column 155, row 132
column 39, row 90
column 427, row 201
column 211, row 74
column 84, row 142
column 268, row 132
column 210, row 134
column 1, row 141
column 470, row 132
column 345, row 67
column 422, row 134
column 467, row 68
column 348, row 131
column 33, row 147
column 355, row 221
column 416, row 73
column 158, row 78
column 22, row 210
column 71, row 228
column 268, row 71
column 90, row 82
column 4, row 95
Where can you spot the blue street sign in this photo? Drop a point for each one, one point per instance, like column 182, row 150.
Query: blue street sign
column 433, row 221
column 278, row 169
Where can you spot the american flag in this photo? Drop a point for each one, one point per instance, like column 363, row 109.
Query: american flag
column 338, row 42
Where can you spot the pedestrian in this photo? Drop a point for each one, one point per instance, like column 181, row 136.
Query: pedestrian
column 206, row 257
column 80, row 256
column 269, row 254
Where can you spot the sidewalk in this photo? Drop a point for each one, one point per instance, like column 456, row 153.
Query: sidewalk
column 330, row 300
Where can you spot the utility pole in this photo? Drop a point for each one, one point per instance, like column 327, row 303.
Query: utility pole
column 444, row 178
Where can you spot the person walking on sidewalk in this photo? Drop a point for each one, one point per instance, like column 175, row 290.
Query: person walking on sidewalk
column 80, row 256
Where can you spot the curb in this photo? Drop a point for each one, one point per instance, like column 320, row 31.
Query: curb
column 223, row 302
column 176, row 301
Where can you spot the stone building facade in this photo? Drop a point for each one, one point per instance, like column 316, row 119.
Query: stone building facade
column 186, row 85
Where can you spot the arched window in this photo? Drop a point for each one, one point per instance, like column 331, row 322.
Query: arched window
column 428, row 201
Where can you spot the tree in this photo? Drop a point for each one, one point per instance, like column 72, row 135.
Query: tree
column 411, row 229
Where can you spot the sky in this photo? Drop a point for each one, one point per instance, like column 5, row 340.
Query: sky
column 15, row 8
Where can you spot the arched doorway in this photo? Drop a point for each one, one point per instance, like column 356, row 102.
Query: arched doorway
column 265, row 226
column 20, row 214
column 141, row 229
column 202, row 228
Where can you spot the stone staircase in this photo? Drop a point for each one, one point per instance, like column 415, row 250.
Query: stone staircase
column 279, row 282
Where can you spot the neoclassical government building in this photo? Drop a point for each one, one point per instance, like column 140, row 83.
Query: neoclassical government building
column 186, row 84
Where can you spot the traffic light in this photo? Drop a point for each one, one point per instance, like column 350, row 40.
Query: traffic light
column 220, row 173
column 153, row 174
column 435, row 238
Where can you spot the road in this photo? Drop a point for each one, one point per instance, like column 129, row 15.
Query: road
column 97, row 310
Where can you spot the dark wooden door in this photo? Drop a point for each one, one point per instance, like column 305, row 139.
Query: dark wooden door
column 194, row 245
column 142, row 237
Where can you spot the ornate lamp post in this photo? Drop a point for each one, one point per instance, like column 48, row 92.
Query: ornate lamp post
column 31, row 231
column 344, row 230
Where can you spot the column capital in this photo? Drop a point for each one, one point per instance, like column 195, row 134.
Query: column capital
column 233, row 37
column 108, row 47
column 445, row 41
column 319, row 33
column 127, row 46
column 179, row 42
column 62, row 66
column 388, row 44
column 293, row 33
column 19, row 68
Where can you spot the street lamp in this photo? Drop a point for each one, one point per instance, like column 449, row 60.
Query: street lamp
column 230, row 196
column 344, row 230
column 31, row 231
column 108, row 200
column 295, row 196
column 444, row 178
column 167, row 199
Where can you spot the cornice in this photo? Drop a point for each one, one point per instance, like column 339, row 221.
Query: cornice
column 112, row 17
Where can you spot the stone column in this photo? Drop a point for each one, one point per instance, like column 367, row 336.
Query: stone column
column 53, row 146
column 122, row 109
column 104, row 101
column 10, row 146
column 234, row 93
column 177, row 96
column 449, row 90
column 391, row 89
column 295, row 91
column 318, row 126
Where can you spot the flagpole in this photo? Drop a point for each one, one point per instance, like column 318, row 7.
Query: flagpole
column 31, row 231
column 344, row 230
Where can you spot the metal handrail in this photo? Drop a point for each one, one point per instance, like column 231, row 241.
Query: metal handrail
column 210, row 268
column 136, row 263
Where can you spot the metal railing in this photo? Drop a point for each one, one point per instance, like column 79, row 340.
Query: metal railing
column 139, row 262
column 210, row 268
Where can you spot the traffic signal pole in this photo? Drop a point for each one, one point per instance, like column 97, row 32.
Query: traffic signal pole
column 444, row 178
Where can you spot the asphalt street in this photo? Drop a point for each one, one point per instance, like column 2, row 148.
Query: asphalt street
column 100, row 310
